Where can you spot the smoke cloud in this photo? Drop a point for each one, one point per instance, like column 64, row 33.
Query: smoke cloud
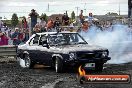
column 116, row 38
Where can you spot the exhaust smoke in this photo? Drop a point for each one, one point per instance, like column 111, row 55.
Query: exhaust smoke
column 116, row 38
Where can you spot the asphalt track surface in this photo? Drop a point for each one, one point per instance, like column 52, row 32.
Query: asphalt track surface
column 13, row 76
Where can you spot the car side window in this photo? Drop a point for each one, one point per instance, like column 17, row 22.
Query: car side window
column 35, row 40
column 43, row 39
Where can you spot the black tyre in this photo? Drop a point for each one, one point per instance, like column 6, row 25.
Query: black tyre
column 99, row 67
column 25, row 62
column 28, row 62
column 58, row 65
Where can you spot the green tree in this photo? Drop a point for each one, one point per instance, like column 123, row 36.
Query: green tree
column 73, row 15
column 44, row 16
column 14, row 20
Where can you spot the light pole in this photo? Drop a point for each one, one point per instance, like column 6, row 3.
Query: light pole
column 77, row 9
column 48, row 7
column 119, row 9
column 85, row 8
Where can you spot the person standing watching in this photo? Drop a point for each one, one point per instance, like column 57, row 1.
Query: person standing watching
column 57, row 24
column 15, row 37
column 90, row 19
column 65, row 19
column 81, row 17
column 24, row 23
column 3, row 39
column 42, row 25
column 33, row 16
column 50, row 26
column 37, row 28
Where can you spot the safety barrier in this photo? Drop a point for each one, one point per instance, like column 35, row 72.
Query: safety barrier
column 8, row 50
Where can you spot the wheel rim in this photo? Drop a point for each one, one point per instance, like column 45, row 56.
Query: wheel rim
column 27, row 61
column 56, row 65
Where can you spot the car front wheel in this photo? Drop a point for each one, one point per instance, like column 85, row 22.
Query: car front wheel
column 25, row 62
column 58, row 65
column 28, row 62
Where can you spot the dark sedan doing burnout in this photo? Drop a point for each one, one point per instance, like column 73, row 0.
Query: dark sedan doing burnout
column 61, row 50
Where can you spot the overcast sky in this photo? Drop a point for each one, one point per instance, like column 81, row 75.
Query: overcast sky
column 97, row 7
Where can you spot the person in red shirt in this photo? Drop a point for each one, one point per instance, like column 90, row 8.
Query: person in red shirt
column 21, row 36
column 50, row 25
column 3, row 39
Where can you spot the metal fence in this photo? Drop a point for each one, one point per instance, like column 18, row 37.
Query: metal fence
column 8, row 50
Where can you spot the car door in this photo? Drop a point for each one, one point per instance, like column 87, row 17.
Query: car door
column 43, row 50
column 32, row 49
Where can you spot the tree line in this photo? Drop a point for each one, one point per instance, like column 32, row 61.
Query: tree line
column 15, row 20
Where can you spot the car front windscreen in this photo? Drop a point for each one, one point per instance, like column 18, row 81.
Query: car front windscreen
column 65, row 39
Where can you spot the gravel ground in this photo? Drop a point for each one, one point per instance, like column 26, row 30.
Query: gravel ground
column 13, row 76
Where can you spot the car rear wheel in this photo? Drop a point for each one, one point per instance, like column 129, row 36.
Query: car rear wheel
column 99, row 67
column 58, row 65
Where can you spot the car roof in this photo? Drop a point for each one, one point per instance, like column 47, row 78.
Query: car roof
column 43, row 33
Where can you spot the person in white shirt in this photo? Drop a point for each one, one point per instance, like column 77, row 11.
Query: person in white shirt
column 42, row 25
column 90, row 18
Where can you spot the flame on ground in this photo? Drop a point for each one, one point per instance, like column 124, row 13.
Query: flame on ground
column 81, row 71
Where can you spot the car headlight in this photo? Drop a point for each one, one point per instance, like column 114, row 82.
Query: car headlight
column 104, row 54
column 72, row 56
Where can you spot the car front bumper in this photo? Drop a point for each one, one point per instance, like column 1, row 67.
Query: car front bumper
column 87, row 60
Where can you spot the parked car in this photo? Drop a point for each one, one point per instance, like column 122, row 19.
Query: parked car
column 60, row 50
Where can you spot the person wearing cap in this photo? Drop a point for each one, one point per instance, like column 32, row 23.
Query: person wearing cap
column 15, row 37
column 33, row 16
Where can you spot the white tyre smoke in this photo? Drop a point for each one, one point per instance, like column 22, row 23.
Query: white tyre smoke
column 116, row 38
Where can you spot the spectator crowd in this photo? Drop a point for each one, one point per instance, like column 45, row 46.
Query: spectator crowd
column 11, row 36
column 19, row 35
